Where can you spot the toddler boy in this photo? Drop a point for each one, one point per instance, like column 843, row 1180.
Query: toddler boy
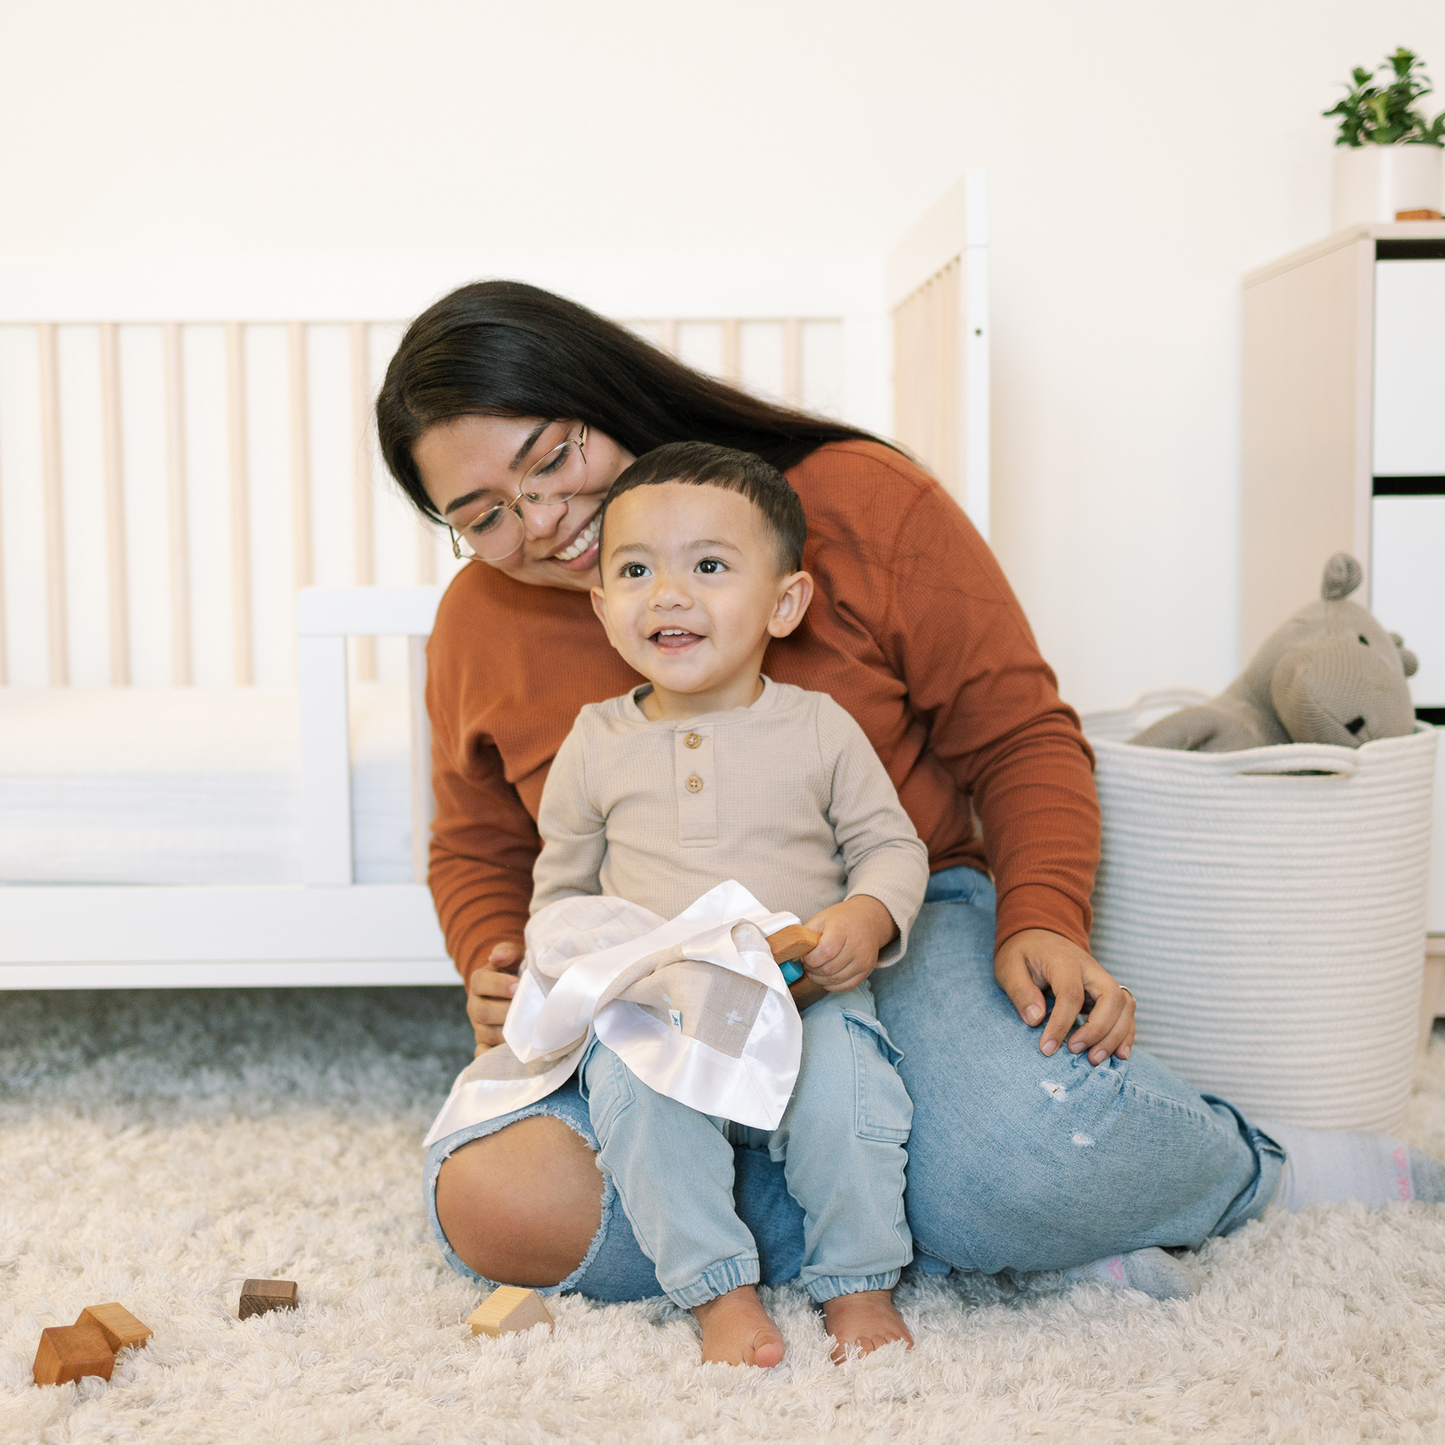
column 712, row 772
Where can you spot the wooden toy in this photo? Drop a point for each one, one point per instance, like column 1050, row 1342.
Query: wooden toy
column 509, row 1309
column 1423, row 214
column 789, row 945
column 69, row 1351
column 121, row 1328
column 261, row 1296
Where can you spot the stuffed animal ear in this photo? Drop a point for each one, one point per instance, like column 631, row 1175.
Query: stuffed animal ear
column 1408, row 660
column 1342, row 575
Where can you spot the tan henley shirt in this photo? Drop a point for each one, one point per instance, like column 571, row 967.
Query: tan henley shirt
column 786, row 796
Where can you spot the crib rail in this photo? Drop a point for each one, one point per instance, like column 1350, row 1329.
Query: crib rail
column 166, row 488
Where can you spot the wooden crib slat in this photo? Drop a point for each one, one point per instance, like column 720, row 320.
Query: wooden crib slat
column 176, row 520
column 240, row 502
column 732, row 350
column 361, row 484
column 300, row 456
column 50, row 463
column 793, row 361
column 119, row 591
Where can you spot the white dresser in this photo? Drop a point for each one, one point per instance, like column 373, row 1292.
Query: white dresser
column 1344, row 450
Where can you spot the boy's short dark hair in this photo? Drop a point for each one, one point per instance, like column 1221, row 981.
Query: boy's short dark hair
column 704, row 465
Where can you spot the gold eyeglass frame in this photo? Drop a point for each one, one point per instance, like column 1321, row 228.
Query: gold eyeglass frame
column 536, row 499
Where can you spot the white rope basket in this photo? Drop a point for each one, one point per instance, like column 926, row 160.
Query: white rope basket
column 1267, row 908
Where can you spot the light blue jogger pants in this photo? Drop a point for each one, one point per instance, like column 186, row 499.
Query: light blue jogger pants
column 840, row 1143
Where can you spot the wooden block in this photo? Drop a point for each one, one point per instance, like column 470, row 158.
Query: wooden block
column 790, row 944
column 1423, row 214
column 69, row 1351
column 261, row 1296
column 121, row 1328
column 509, row 1309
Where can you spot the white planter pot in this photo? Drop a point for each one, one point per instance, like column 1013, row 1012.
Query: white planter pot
column 1372, row 182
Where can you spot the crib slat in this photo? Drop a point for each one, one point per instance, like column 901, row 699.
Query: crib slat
column 300, row 456
column 732, row 368
column 50, row 463
column 177, row 525
column 423, row 800
column 114, row 506
column 793, row 361
column 361, row 484
column 240, row 502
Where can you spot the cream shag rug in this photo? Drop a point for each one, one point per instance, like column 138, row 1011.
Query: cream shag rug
column 157, row 1148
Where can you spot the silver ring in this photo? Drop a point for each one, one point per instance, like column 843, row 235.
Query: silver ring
column 1129, row 991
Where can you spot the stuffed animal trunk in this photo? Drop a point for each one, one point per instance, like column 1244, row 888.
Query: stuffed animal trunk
column 1331, row 674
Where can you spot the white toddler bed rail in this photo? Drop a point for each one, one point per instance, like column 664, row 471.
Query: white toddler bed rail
column 326, row 929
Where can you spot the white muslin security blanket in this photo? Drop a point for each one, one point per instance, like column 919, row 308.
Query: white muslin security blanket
column 694, row 1006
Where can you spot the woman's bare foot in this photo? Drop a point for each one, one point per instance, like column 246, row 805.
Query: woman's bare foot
column 736, row 1330
column 866, row 1319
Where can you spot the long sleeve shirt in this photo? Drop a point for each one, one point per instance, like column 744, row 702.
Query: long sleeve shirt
column 913, row 630
column 787, row 797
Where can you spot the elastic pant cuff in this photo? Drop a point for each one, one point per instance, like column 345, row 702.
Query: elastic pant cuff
column 830, row 1286
column 725, row 1275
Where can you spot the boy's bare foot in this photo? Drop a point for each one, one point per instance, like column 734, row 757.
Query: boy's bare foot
column 736, row 1330
column 866, row 1319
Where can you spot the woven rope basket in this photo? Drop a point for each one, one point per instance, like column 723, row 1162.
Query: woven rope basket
column 1267, row 908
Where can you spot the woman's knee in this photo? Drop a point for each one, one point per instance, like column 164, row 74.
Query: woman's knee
column 523, row 1205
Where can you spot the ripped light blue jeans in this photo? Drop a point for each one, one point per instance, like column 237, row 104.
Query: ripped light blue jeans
column 840, row 1142
column 1015, row 1161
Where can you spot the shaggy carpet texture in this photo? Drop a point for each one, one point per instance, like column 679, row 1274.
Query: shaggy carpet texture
column 158, row 1148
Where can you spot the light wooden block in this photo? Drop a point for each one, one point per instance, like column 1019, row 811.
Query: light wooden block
column 261, row 1296
column 1422, row 213
column 121, row 1329
column 791, row 943
column 509, row 1309
column 67, row 1352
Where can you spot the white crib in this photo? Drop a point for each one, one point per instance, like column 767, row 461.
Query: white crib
column 214, row 771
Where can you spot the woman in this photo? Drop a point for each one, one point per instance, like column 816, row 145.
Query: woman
column 506, row 414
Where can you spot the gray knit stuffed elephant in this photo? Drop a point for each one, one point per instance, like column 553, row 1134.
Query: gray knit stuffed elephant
column 1331, row 674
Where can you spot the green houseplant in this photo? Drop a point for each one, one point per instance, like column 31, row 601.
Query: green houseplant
column 1385, row 115
column 1387, row 156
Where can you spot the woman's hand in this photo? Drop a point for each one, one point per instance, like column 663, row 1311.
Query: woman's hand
column 851, row 933
column 1034, row 959
column 489, row 993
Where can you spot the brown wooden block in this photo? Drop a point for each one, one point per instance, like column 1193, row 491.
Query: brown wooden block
column 508, row 1309
column 791, row 943
column 69, row 1351
column 1423, row 214
column 121, row 1328
column 261, row 1296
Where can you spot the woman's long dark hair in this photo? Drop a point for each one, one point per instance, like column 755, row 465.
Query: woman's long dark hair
column 502, row 348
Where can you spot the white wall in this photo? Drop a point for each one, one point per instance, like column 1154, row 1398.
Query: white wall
column 1142, row 157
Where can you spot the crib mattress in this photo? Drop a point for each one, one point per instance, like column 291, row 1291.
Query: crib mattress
column 187, row 785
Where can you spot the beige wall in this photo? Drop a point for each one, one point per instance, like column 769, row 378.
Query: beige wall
column 1141, row 156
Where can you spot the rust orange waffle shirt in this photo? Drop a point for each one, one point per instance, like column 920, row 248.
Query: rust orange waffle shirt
column 913, row 629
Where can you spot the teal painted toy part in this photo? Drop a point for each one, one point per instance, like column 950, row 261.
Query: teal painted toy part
column 792, row 971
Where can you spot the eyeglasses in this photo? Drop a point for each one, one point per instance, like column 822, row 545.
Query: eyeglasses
column 498, row 530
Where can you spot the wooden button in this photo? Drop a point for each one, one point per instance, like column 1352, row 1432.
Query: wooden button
column 693, row 740
column 694, row 784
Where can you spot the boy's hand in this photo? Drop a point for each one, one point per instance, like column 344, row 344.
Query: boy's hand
column 489, row 993
column 851, row 933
